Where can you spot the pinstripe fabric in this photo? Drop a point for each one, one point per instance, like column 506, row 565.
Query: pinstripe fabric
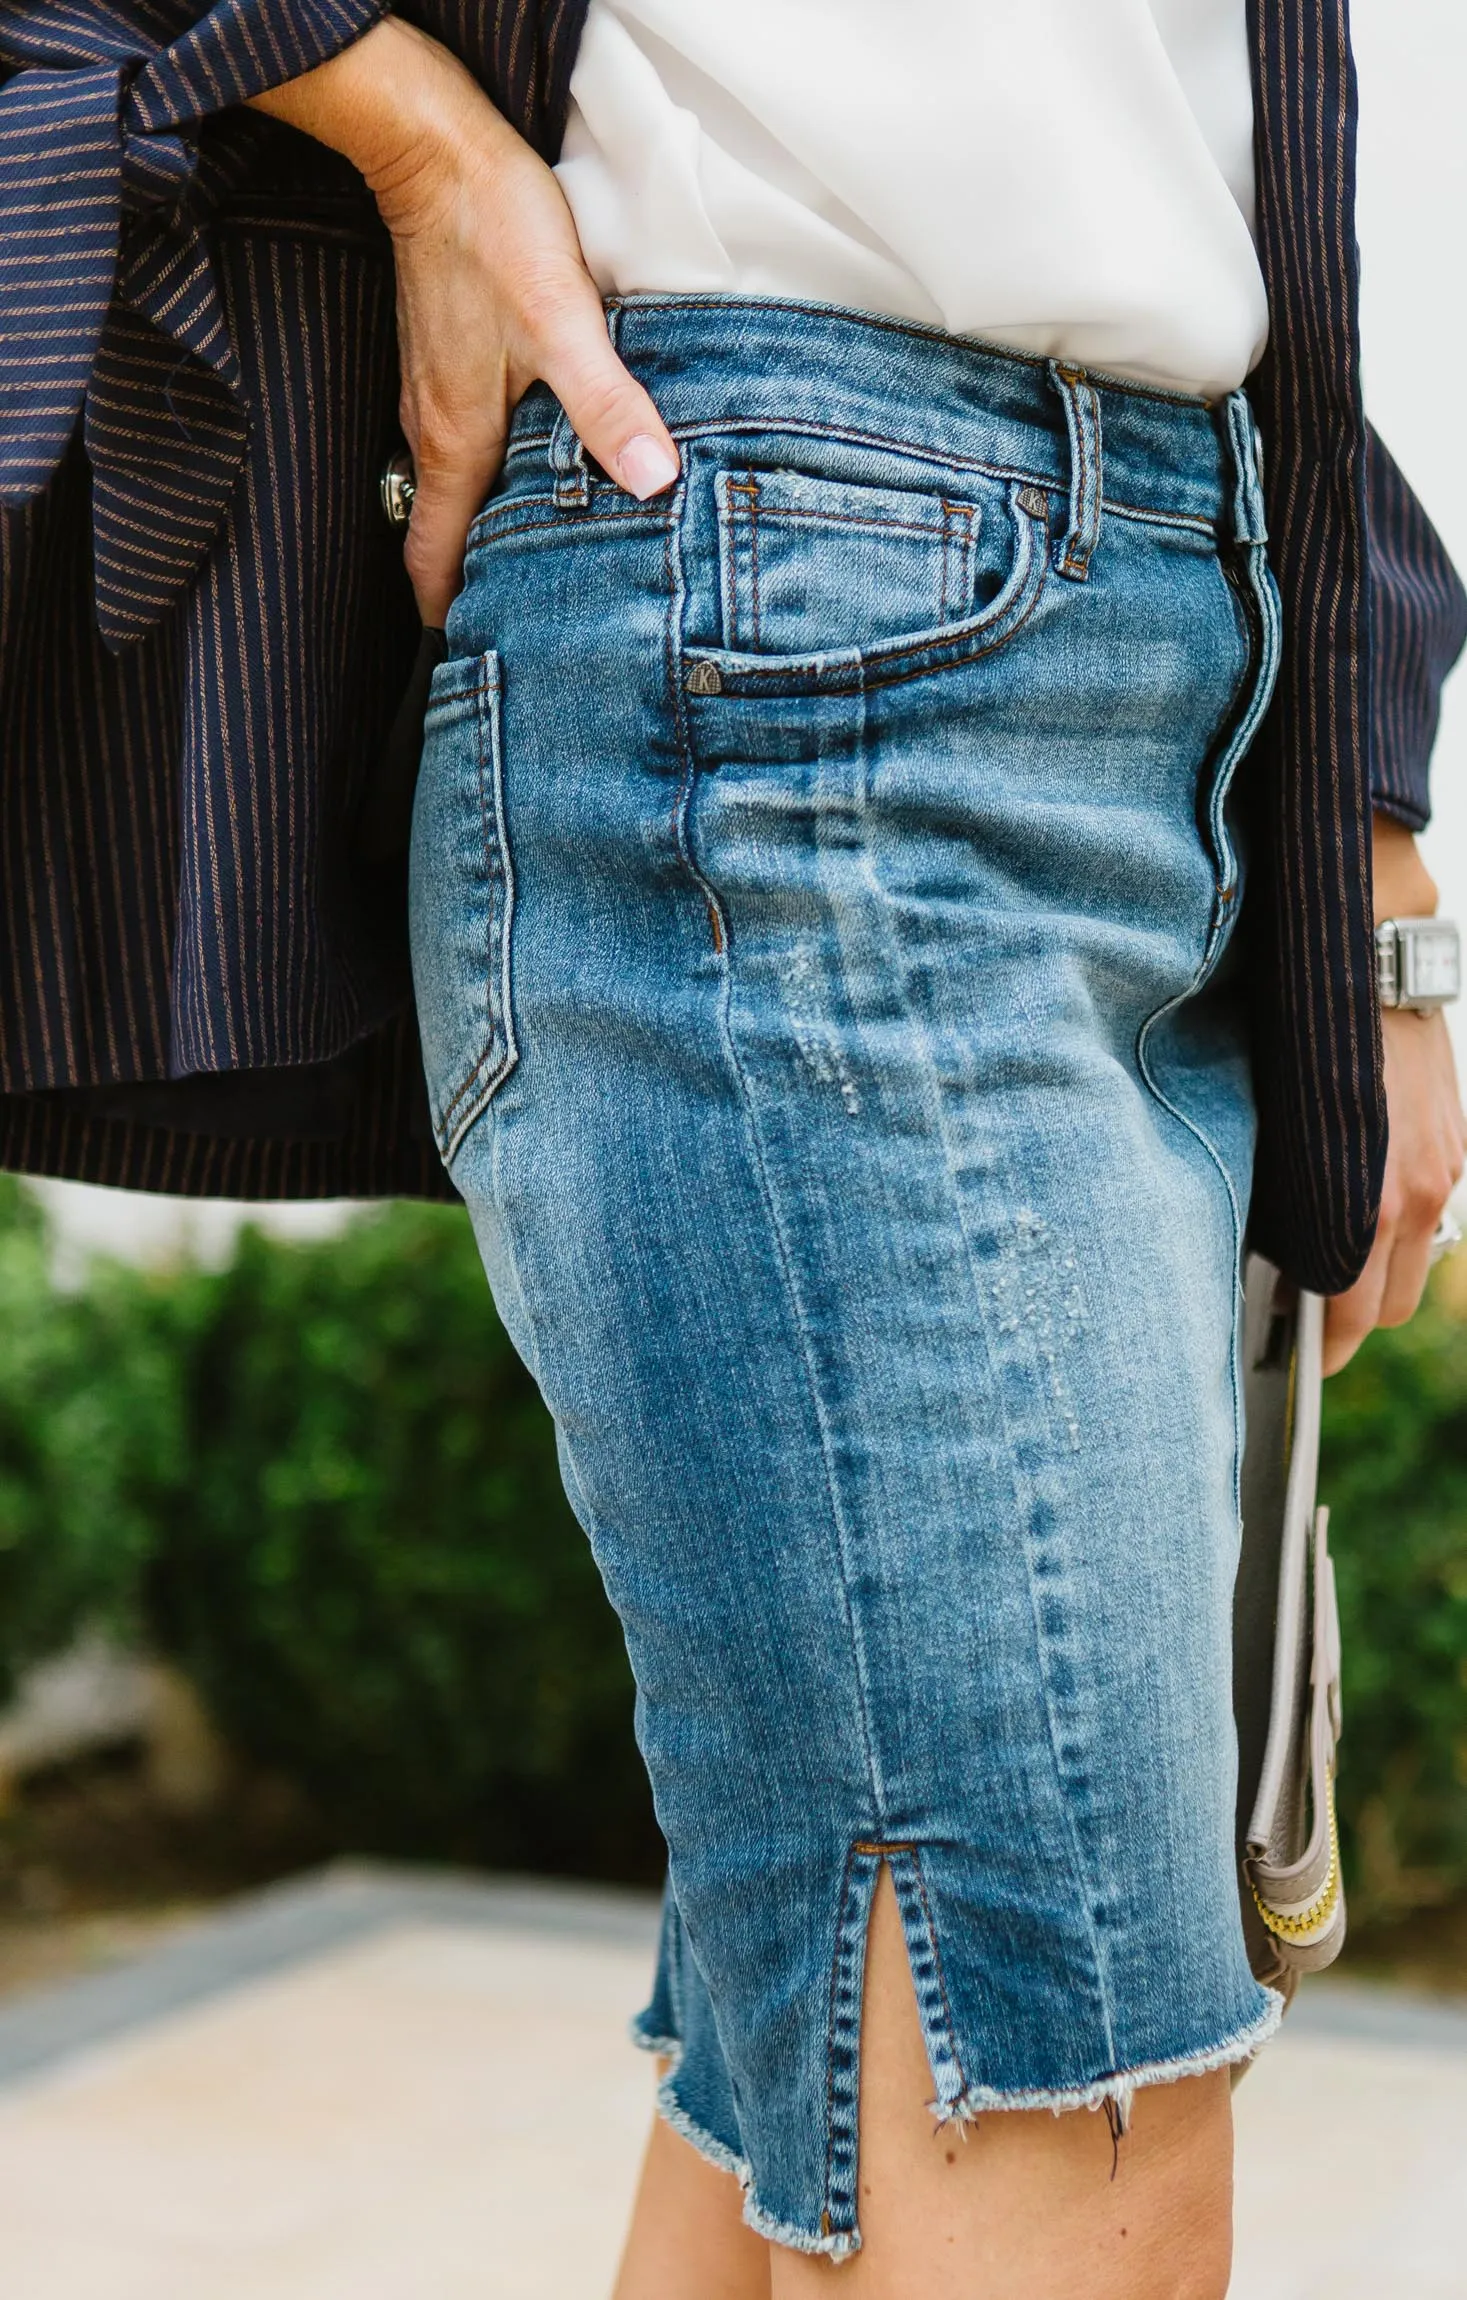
column 128, row 323
column 203, row 624
column 1416, row 632
column 1374, row 615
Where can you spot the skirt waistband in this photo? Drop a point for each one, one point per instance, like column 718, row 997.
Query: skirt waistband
column 724, row 364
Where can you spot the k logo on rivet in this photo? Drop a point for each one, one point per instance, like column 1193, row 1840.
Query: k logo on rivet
column 704, row 679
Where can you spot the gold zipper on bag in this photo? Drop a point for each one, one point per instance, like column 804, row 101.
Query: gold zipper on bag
column 1300, row 1923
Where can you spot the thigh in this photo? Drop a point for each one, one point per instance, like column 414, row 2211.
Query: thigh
column 1024, row 2205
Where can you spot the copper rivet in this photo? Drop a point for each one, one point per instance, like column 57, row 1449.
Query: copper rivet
column 1034, row 501
column 705, row 679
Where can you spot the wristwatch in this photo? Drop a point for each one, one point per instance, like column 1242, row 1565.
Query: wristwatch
column 1418, row 963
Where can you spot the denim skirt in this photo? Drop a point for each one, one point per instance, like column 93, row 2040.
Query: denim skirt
column 823, row 888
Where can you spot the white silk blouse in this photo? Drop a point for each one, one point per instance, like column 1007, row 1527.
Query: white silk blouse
column 1067, row 177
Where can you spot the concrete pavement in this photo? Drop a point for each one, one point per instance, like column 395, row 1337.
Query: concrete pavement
column 378, row 2087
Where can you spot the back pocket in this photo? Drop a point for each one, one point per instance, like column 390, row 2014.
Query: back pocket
column 461, row 898
column 824, row 563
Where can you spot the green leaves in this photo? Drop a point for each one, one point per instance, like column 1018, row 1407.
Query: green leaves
column 88, row 1424
column 1395, row 1476
column 322, row 1480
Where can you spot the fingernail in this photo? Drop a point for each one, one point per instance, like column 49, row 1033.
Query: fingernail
column 645, row 467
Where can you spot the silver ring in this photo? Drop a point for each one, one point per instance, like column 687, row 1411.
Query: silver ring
column 397, row 487
column 1448, row 1237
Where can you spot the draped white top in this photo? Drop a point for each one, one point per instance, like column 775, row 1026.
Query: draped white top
column 1070, row 177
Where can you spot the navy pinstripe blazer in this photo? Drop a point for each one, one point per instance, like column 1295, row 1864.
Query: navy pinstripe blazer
column 204, row 624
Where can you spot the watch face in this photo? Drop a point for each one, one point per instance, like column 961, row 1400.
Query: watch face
column 1431, row 961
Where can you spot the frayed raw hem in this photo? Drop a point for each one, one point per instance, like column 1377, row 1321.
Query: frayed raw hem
column 1120, row 2089
column 837, row 2247
column 1112, row 2093
column 660, row 2047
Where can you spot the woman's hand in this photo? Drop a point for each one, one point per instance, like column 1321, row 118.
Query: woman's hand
column 1428, row 1144
column 492, row 291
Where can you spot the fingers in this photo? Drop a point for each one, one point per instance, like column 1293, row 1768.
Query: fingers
column 1422, row 1170
column 1349, row 1317
column 1390, row 1288
column 449, row 493
column 612, row 415
column 565, row 342
column 1409, row 1267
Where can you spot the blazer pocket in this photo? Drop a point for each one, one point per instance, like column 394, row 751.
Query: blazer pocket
column 461, row 898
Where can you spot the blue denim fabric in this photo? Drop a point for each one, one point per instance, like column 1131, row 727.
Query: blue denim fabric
column 823, row 888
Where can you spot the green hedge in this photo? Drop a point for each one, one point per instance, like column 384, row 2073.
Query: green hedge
column 90, row 1435
column 1394, row 1473
column 322, row 1480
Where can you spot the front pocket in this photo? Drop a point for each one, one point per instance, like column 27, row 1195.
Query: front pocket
column 1010, row 561
column 807, row 561
column 461, row 898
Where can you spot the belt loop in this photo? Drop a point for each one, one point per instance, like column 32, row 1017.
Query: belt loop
column 1250, row 517
column 568, row 452
column 568, row 463
column 1082, row 420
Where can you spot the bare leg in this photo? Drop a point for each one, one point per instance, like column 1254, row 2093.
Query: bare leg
column 688, row 2240
column 1020, row 2207
column 1025, row 2207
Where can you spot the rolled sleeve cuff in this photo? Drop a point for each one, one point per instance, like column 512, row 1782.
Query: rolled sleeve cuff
column 1418, row 625
column 97, row 123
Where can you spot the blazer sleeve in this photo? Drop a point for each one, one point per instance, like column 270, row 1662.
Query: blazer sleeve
column 110, row 289
column 1418, row 624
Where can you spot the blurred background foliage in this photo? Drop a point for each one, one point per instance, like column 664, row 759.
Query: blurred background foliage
column 1394, row 1472
column 320, row 1481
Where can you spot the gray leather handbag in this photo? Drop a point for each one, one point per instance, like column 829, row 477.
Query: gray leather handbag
column 1286, row 1646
